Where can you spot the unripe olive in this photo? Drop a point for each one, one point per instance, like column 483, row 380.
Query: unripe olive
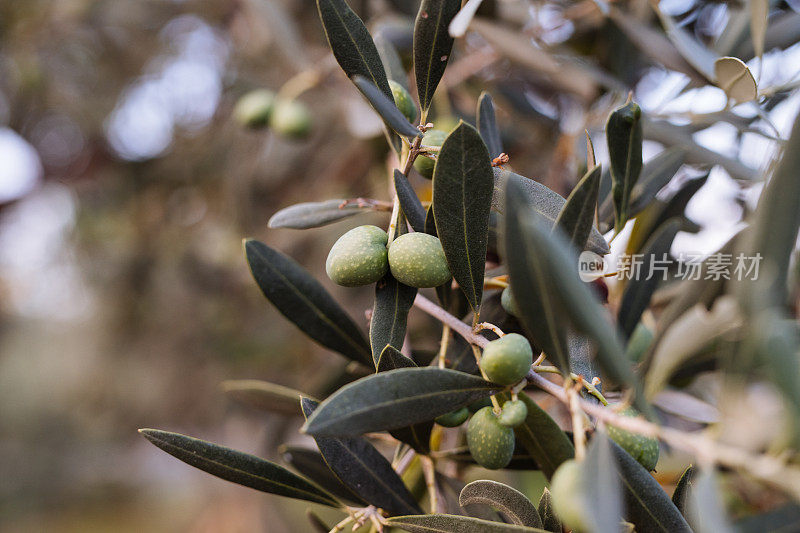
column 453, row 418
column 508, row 303
column 644, row 449
column 474, row 407
column 565, row 491
column 417, row 259
column 254, row 109
column 513, row 413
column 490, row 443
column 507, row 360
column 359, row 257
column 424, row 165
column 403, row 101
column 291, row 118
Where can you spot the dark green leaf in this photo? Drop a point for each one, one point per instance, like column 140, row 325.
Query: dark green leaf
column 624, row 136
column 362, row 468
column 647, row 505
column 391, row 359
column 392, row 63
column 601, row 487
column 385, row 107
column 545, row 202
column 314, row 214
column 581, row 360
column 395, row 399
column 576, row 218
column 639, row 290
column 550, row 522
column 301, row 299
column 462, row 196
column 430, row 222
column 487, row 125
column 512, row 503
column 432, row 46
column 263, row 395
column 352, row 44
column 409, row 202
column 447, row 523
column 681, row 492
column 311, row 464
column 393, row 300
column 237, row 467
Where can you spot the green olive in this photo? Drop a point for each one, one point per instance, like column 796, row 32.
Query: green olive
column 508, row 303
column 417, row 260
column 453, row 418
column 644, row 449
column 425, row 165
column 566, row 490
column 359, row 257
column 490, row 443
column 508, row 359
column 254, row 109
column 403, row 101
column 291, row 119
column 513, row 413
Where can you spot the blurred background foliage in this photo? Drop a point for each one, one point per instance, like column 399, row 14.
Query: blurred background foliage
column 126, row 188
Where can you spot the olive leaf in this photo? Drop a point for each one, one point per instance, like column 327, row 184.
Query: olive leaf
column 694, row 52
column 311, row 464
column 314, row 214
column 393, row 300
column 409, row 202
column 647, row 505
column 550, row 522
column 448, row 523
column 391, row 358
column 462, row 195
column 238, row 467
column 386, row 108
column 432, row 46
column 487, row 125
column 705, row 507
column 352, row 44
column 364, row 470
column 395, row 399
column 576, row 218
column 544, row 201
column 639, row 290
column 301, row 299
column 601, row 488
column 263, row 395
column 512, row 503
column 392, row 63
column 682, row 489
column 624, row 137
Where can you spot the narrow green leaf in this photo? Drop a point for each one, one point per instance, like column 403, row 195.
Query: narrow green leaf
column 694, row 52
column 352, row 44
column 311, row 464
column 544, row 201
column 462, row 196
column 395, row 399
column 682, row 489
column 364, row 470
column 487, row 125
column 706, row 510
column 448, row 523
column 237, row 467
column 385, row 107
column 601, row 487
column 576, row 218
column 301, row 299
column 430, row 222
column 391, row 359
column 512, row 503
column 263, row 395
column 639, row 290
column 624, row 136
column 550, row 522
column 392, row 63
column 393, row 300
column 647, row 505
column 409, row 202
column 314, row 214
column 432, row 46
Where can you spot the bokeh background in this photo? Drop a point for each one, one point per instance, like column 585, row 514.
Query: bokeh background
column 126, row 188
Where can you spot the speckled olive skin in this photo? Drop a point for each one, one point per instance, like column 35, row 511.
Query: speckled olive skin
column 507, row 360
column 417, row 260
column 359, row 257
column 291, row 119
column 508, row 303
column 254, row 108
column 490, row 443
column 644, row 449
column 403, row 101
column 565, row 490
column 425, row 165
column 513, row 413
column 453, row 418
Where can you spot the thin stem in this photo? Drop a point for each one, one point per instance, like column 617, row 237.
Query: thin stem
column 429, row 471
column 404, row 462
column 488, row 325
column 539, row 359
column 395, row 218
column 443, row 345
column 578, row 429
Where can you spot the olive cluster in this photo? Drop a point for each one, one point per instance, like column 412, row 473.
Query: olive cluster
column 262, row 108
